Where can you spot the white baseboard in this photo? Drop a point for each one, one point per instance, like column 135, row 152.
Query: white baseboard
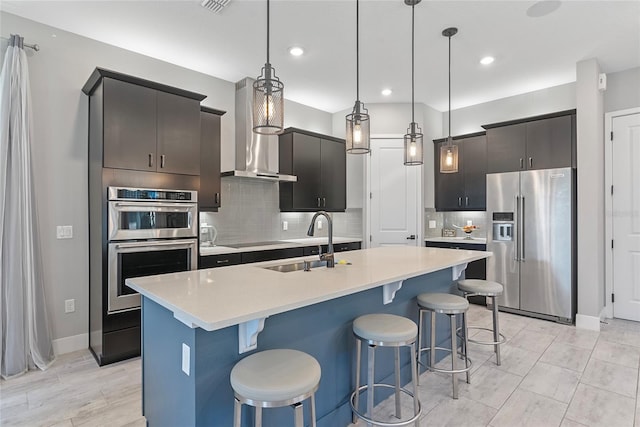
column 70, row 344
column 591, row 323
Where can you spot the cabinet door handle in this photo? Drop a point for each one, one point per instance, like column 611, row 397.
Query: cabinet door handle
column 150, row 160
column 466, row 201
column 324, row 202
column 412, row 237
column 222, row 261
column 318, row 201
column 162, row 161
column 530, row 162
column 217, row 199
column 460, row 201
column 521, row 163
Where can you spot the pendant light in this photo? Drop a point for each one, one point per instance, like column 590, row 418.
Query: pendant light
column 358, row 141
column 268, row 98
column 449, row 151
column 413, row 138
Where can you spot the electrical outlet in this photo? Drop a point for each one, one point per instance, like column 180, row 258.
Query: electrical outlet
column 469, row 222
column 319, row 224
column 285, row 225
column 64, row 232
column 432, row 224
column 186, row 356
column 69, row 305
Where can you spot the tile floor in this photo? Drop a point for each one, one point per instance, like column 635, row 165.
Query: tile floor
column 551, row 375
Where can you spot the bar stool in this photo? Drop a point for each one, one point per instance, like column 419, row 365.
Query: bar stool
column 486, row 288
column 384, row 330
column 451, row 305
column 275, row 378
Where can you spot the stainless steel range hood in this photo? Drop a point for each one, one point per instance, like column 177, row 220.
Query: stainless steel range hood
column 256, row 155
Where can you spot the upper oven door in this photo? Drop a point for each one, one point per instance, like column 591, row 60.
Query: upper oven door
column 152, row 220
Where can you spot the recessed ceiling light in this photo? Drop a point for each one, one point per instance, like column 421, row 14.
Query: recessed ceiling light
column 296, row 51
column 387, row 92
column 487, row 60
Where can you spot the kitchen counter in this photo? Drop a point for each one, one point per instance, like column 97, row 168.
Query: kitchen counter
column 212, row 299
column 472, row 241
column 281, row 244
column 197, row 324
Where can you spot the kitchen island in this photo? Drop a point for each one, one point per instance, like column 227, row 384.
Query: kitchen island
column 196, row 325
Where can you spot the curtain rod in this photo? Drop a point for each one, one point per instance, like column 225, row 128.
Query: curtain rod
column 30, row 46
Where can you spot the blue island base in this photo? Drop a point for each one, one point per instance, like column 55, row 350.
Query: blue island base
column 204, row 397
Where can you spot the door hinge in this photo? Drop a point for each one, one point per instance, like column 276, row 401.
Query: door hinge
column 370, row 238
column 611, row 243
column 613, row 297
column 371, row 195
column 612, row 190
column 611, row 135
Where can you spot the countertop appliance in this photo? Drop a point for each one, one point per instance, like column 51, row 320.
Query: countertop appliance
column 532, row 237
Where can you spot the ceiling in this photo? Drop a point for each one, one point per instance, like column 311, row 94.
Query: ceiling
column 531, row 52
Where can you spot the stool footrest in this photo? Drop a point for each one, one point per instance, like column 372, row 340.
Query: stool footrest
column 369, row 420
column 445, row 371
column 503, row 339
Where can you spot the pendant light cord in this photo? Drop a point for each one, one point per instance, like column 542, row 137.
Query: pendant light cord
column 412, row 63
column 357, row 51
column 267, row 31
column 449, row 139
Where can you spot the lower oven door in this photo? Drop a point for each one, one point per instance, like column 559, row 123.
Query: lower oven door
column 135, row 259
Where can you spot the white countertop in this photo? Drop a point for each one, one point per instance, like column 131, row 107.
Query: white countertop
column 282, row 244
column 473, row 240
column 220, row 297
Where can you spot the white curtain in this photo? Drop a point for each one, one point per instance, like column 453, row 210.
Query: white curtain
column 24, row 324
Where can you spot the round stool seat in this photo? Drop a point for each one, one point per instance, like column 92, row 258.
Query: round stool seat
column 443, row 303
column 275, row 375
column 480, row 287
column 385, row 328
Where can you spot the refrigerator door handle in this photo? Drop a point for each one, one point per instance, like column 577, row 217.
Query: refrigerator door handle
column 517, row 231
column 522, row 231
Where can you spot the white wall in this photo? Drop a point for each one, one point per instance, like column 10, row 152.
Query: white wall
column 623, row 90
column 57, row 73
column 590, row 150
column 470, row 119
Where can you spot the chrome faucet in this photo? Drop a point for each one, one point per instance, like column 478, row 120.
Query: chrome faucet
column 328, row 257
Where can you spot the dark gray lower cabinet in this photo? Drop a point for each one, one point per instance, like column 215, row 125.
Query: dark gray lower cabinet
column 223, row 260
column 475, row 269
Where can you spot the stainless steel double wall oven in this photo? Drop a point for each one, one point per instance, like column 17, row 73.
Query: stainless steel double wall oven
column 145, row 232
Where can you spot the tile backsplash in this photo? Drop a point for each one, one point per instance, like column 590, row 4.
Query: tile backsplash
column 250, row 213
column 452, row 220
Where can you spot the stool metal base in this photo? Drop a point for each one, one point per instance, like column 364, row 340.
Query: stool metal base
column 369, row 420
column 498, row 338
column 461, row 355
column 295, row 403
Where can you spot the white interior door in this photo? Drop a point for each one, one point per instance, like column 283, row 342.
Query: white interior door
column 395, row 195
column 626, row 216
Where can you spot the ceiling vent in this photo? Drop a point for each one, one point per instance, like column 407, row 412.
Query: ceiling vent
column 215, row 6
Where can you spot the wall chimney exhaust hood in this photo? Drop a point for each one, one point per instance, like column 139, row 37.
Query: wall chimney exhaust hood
column 256, row 155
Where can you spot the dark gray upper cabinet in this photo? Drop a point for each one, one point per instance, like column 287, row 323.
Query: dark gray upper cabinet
column 178, row 147
column 129, row 126
column 506, row 148
column 466, row 189
column 320, row 163
column 147, row 126
column 542, row 142
column 209, row 196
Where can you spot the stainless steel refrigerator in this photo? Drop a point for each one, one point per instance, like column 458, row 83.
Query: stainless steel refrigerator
column 532, row 238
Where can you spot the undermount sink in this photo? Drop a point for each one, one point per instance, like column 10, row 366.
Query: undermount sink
column 296, row 266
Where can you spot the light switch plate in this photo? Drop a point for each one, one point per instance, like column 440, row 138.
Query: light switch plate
column 69, row 305
column 469, row 222
column 432, row 224
column 186, row 357
column 64, row 232
column 285, row 225
column 319, row 224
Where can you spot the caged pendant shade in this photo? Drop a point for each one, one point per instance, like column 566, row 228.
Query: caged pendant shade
column 413, row 139
column 449, row 151
column 357, row 125
column 268, row 98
